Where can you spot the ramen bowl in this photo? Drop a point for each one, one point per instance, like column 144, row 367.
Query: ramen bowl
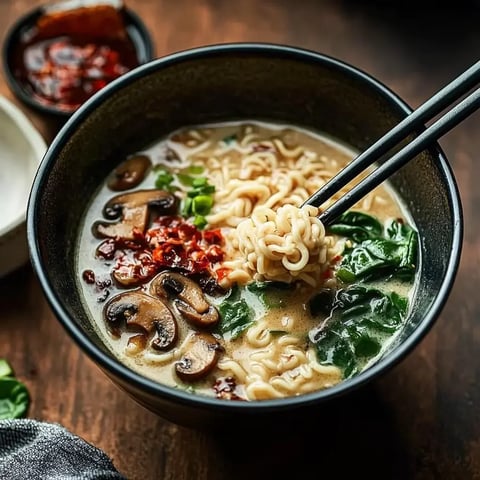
column 216, row 84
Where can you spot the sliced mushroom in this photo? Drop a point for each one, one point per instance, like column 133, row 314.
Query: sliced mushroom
column 132, row 210
column 206, row 319
column 145, row 314
column 129, row 173
column 187, row 297
column 202, row 352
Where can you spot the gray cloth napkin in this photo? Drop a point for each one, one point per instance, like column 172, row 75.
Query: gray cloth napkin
column 32, row 450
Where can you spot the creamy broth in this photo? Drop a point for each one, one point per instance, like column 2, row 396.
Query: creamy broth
column 276, row 354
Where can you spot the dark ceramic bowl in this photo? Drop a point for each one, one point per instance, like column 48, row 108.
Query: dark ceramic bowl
column 136, row 31
column 239, row 81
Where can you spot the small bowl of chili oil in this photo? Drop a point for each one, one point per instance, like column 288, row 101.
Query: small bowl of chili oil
column 55, row 58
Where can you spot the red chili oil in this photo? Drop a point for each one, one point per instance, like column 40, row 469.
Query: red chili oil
column 67, row 56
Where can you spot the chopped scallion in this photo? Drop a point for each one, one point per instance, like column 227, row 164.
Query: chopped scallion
column 199, row 182
column 196, row 169
column 199, row 221
column 185, row 179
column 164, row 180
column 202, row 205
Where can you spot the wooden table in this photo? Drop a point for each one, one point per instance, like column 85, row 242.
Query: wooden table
column 422, row 420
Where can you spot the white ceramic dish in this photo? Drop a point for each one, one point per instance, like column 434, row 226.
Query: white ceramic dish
column 21, row 150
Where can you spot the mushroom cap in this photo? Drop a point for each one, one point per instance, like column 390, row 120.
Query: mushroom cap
column 142, row 313
column 202, row 352
column 129, row 173
column 132, row 210
column 205, row 319
column 187, row 296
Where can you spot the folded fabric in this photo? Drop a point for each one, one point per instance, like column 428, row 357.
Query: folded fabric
column 32, row 450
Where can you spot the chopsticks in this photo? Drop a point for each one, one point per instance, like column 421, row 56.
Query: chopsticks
column 412, row 123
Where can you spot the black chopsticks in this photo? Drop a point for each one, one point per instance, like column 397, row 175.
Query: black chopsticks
column 410, row 125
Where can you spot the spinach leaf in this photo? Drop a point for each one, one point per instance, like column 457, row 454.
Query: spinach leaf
column 14, row 397
column 236, row 316
column 370, row 307
column 334, row 349
column 322, row 303
column 5, row 368
column 268, row 292
column 361, row 316
column 399, row 232
column 392, row 253
column 357, row 225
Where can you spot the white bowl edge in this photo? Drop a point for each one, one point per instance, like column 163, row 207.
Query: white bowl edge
column 25, row 139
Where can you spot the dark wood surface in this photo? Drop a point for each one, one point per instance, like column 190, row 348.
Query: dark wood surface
column 421, row 420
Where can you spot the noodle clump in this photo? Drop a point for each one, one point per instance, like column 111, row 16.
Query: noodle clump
column 285, row 245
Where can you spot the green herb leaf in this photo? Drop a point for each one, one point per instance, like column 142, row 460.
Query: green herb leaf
column 200, row 222
column 187, row 207
column 199, row 182
column 357, row 225
column 164, row 180
column 185, row 179
column 5, row 368
column 346, row 275
column 206, row 190
column 196, row 169
column 333, row 349
column 198, row 201
column 322, row 303
column 14, row 397
column 202, row 205
column 360, row 317
column 366, row 346
column 392, row 254
column 236, row 317
column 268, row 292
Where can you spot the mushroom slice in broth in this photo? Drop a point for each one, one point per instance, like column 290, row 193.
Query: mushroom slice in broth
column 142, row 313
column 132, row 210
column 129, row 173
column 201, row 355
column 187, row 297
column 189, row 312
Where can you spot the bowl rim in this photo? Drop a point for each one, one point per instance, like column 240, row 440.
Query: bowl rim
column 110, row 365
column 132, row 20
